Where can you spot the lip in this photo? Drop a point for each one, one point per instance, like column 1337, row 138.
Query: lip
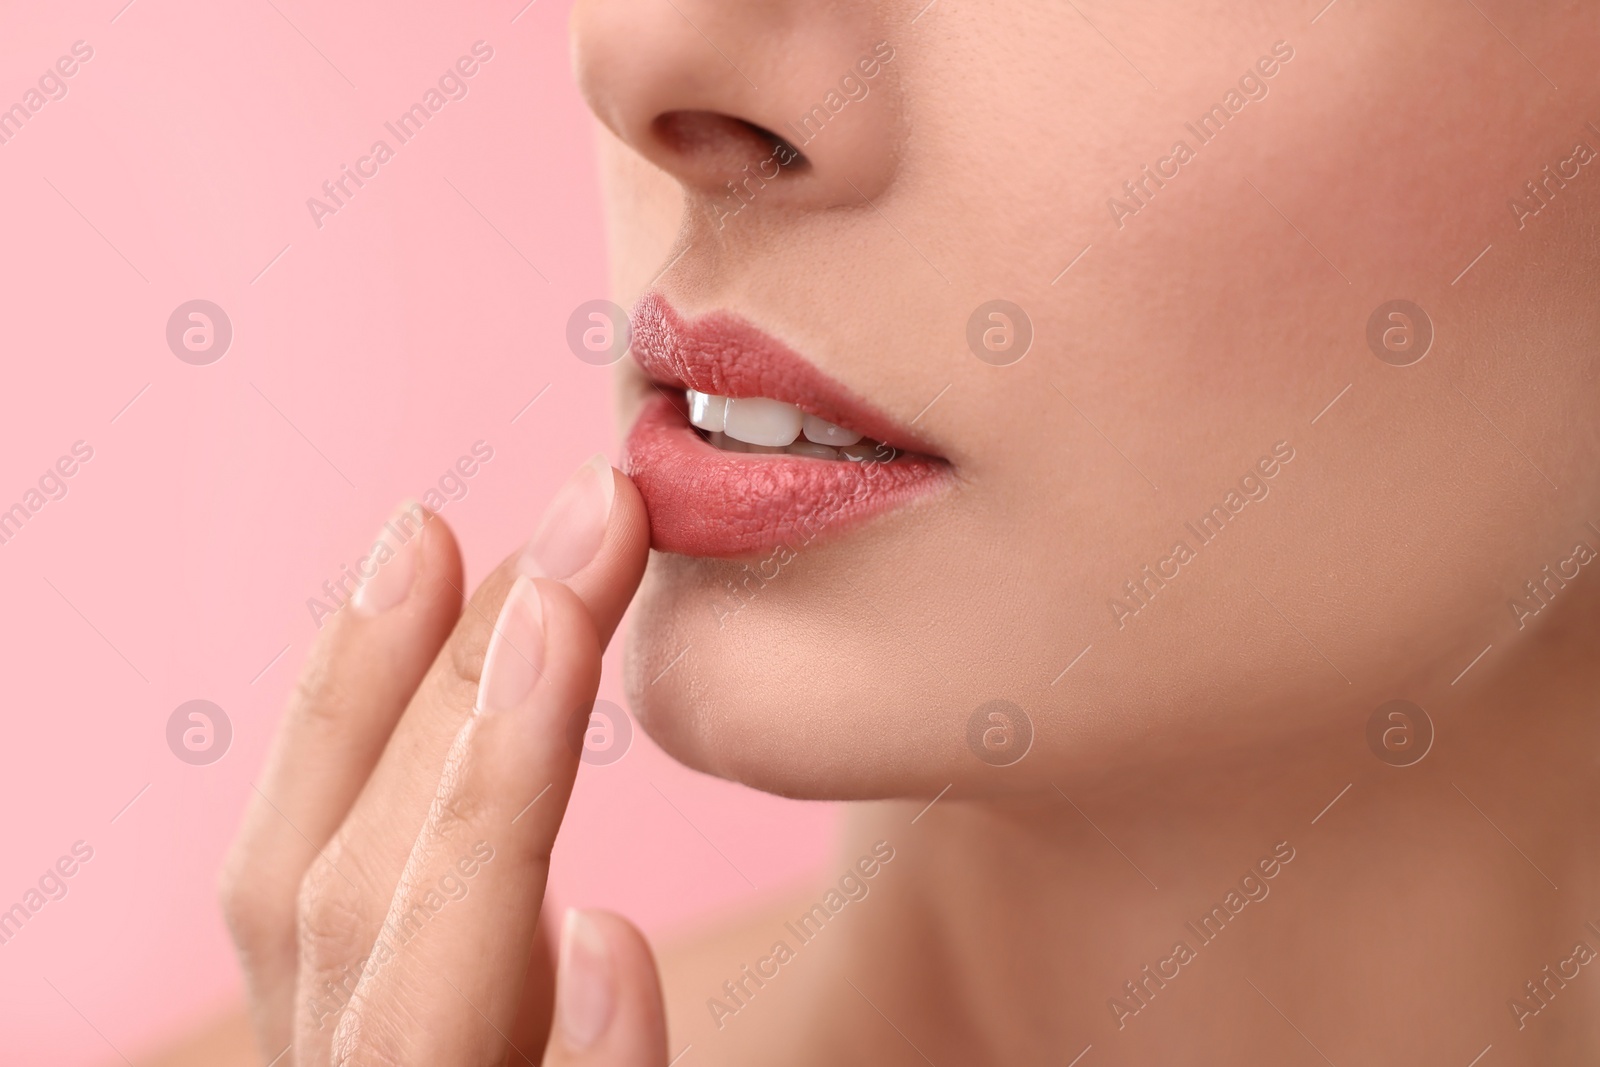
column 703, row 501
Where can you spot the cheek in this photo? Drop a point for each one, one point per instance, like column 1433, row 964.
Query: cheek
column 1157, row 379
column 748, row 701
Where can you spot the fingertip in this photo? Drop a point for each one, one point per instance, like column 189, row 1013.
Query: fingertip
column 586, row 982
column 608, row 995
column 600, row 465
column 571, row 626
column 630, row 521
column 414, row 568
column 431, row 607
column 627, row 509
column 607, row 583
column 442, row 568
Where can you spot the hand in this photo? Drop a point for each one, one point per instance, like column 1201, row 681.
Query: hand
column 385, row 889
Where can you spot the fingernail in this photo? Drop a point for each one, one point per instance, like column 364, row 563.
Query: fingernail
column 584, row 993
column 393, row 559
column 516, row 650
column 574, row 524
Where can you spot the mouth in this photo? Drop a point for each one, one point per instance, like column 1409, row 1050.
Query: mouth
column 746, row 447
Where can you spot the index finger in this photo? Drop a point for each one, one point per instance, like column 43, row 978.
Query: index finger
column 444, row 979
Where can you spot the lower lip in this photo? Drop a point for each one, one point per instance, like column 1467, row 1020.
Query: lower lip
column 706, row 502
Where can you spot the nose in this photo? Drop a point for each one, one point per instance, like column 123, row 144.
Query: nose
column 789, row 102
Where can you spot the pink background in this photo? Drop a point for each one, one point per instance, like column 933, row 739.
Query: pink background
column 366, row 359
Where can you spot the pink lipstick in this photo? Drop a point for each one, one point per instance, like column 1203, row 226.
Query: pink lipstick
column 777, row 453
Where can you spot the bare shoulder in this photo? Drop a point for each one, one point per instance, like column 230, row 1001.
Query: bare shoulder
column 713, row 971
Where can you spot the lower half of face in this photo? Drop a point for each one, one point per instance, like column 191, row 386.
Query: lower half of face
column 1241, row 377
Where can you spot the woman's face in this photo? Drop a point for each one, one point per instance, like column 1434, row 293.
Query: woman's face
column 1207, row 508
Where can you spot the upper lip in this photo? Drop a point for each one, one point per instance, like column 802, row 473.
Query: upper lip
column 723, row 354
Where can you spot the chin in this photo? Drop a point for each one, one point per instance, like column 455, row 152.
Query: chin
column 777, row 691
column 775, row 495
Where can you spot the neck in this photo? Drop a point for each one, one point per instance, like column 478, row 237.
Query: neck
column 1307, row 895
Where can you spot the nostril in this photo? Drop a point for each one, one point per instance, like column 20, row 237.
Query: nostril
column 721, row 146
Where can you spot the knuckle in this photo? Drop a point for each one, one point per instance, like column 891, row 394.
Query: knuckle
column 331, row 917
column 458, row 811
column 257, row 907
column 469, row 646
column 322, row 697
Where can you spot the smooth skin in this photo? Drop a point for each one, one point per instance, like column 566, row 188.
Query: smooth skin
column 384, row 778
column 1175, row 750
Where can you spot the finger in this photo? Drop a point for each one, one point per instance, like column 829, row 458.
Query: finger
column 602, row 563
column 444, row 979
column 538, row 987
column 368, row 659
column 338, row 924
column 608, row 997
column 596, row 531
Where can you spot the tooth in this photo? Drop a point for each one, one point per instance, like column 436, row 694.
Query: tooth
column 826, row 433
column 706, row 410
column 757, row 420
column 810, row 448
